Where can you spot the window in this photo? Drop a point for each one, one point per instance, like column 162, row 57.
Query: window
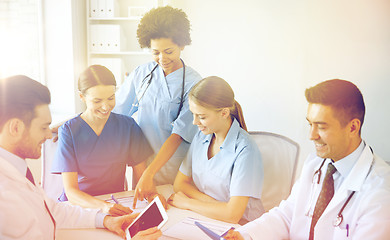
column 20, row 36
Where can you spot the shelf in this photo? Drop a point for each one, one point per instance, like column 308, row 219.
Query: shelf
column 115, row 19
column 121, row 53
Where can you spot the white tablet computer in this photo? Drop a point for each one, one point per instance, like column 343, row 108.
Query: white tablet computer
column 153, row 215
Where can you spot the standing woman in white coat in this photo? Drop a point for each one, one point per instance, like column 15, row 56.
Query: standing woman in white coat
column 158, row 92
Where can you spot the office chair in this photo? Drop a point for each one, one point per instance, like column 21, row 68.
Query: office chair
column 280, row 158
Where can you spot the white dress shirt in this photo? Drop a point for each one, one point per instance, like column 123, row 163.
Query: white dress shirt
column 23, row 214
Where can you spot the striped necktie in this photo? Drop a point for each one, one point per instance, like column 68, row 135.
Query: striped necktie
column 324, row 198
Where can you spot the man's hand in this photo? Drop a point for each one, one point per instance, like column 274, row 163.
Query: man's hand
column 148, row 234
column 118, row 224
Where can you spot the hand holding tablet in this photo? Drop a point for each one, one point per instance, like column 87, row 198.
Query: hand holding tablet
column 154, row 215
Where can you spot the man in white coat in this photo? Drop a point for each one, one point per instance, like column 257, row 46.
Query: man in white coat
column 25, row 210
column 359, row 199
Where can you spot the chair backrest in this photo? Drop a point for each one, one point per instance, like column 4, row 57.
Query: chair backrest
column 51, row 183
column 280, row 158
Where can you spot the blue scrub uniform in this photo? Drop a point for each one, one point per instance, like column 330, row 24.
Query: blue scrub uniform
column 236, row 170
column 100, row 161
column 158, row 109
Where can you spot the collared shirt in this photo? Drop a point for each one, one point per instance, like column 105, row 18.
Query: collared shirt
column 19, row 163
column 236, row 170
column 345, row 165
column 158, row 108
column 21, row 166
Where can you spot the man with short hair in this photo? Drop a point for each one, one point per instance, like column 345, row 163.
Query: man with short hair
column 25, row 210
column 344, row 191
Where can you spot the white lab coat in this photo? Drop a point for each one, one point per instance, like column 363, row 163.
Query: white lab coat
column 367, row 214
column 22, row 211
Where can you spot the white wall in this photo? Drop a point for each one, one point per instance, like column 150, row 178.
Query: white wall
column 271, row 51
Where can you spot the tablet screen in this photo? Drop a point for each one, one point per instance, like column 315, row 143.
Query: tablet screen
column 150, row 218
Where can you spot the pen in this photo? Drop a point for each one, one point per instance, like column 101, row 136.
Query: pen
column 347, row 229
column 114, row 199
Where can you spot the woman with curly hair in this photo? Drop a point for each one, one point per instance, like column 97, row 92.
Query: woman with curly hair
column 158, row 92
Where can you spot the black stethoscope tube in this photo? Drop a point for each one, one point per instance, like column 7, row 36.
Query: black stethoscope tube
column 150, row 80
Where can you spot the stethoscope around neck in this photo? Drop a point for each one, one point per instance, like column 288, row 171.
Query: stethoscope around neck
column 339, row 219
column 146, row 83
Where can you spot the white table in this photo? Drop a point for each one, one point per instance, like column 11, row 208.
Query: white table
column 175, row 215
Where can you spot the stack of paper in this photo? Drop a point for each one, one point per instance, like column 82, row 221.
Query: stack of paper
column 128, row 202
column 186, row 229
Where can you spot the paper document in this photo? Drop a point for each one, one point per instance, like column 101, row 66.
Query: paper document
column 186, row 229
column 128, row 202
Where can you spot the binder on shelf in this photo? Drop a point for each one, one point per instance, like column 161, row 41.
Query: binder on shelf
column 107, row 38
column 114, row 38
column 112, row 8
column 94, row 38
column 101, row 9
column 93, row 8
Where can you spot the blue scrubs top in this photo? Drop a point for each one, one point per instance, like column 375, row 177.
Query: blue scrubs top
column 158, row 109
column 100, row 161
column 236, row 170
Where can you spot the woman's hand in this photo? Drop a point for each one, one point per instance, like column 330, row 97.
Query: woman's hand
column 179, row 200
column 151, row 196
column 117, row 210
column 54, row 131
column 118, row 224
column 233, row 235
column 144, row 188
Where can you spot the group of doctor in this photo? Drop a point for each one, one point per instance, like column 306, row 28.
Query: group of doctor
column 182, row 116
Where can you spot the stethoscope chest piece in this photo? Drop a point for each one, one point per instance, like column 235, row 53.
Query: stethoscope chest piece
column 338, row 221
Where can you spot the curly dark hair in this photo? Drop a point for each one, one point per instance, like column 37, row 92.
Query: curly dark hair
column 164, row 22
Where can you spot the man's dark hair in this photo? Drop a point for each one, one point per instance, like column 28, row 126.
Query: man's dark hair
column 343, row 96
column 19, row 95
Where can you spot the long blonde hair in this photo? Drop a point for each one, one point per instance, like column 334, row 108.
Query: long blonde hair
column 214, row 92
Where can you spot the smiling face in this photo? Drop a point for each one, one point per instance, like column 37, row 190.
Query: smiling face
column 100, row 100
column 30, row 144
column 331, row 139
column 167, row 54
column 209, row 120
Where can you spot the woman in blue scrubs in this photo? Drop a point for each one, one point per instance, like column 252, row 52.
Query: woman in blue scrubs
column 222, row 175
column 95, row 147
column 158, row 92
